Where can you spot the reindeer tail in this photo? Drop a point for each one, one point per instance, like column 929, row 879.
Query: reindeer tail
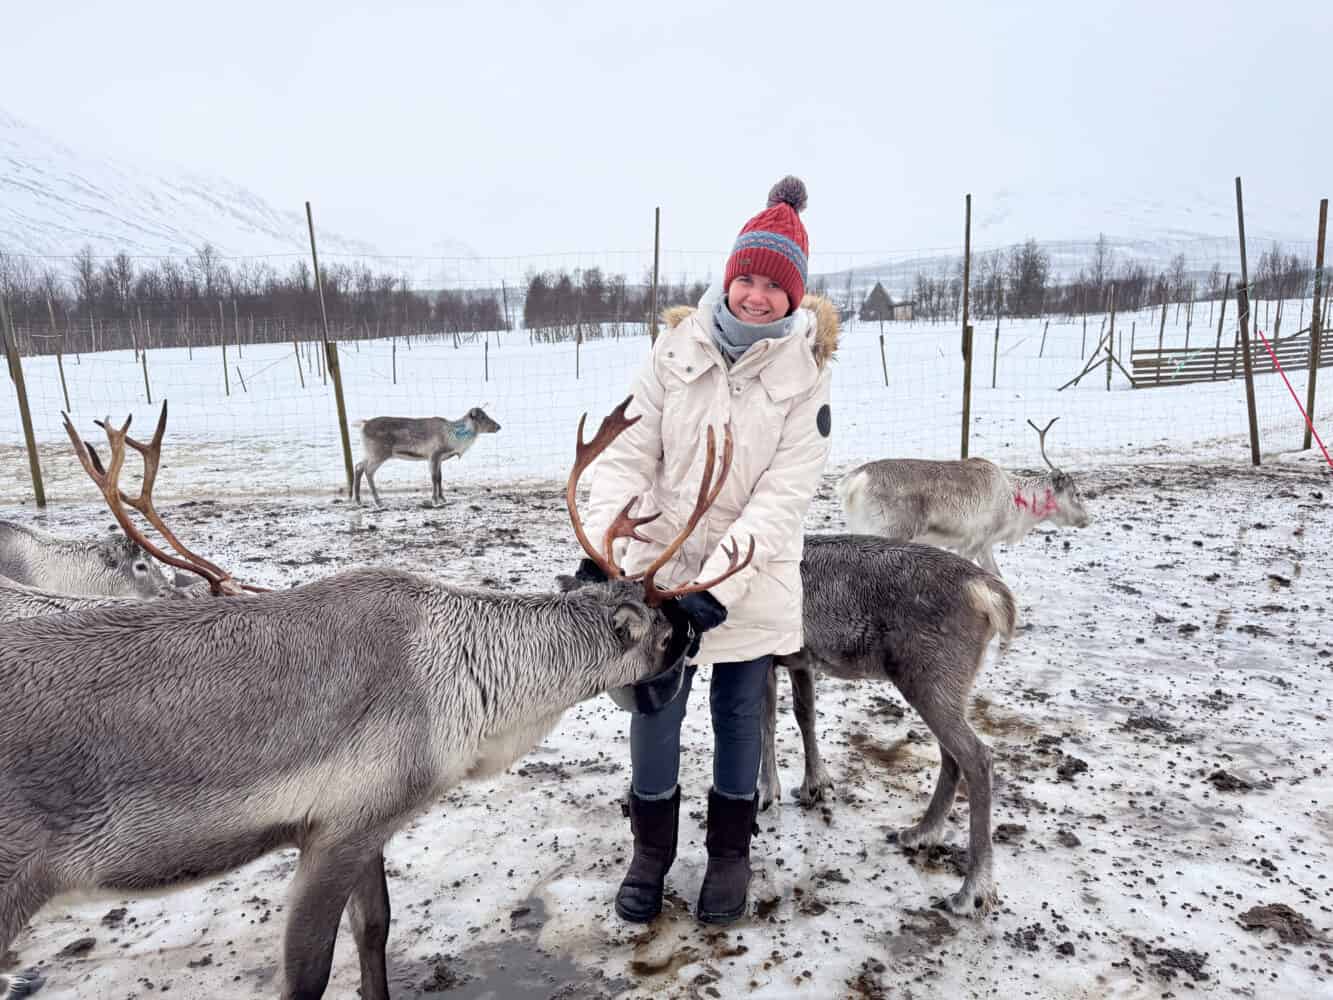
column 851, row 489
column 993, row 599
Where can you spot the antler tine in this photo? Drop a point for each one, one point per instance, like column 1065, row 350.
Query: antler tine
column 1041, row 440
column 612, row 426
column 733, row 567
column 107, row 480
column 152, row 458
column 709, row 490
column 625, row 526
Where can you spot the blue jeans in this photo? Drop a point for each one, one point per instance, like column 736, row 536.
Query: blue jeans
column 737, row 699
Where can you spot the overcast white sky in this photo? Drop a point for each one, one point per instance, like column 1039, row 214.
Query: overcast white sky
column 522, row 127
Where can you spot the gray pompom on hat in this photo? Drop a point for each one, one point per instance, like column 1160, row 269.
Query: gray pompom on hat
column 788, row 191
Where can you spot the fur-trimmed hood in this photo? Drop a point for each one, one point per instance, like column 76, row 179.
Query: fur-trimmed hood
column 825, row 319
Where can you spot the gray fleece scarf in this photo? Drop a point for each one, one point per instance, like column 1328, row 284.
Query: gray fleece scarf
column 734, row 338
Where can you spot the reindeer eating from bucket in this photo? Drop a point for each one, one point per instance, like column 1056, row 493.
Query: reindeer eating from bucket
column 150, row 745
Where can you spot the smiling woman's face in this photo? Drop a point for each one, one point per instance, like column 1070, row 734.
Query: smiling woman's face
column 753, row 298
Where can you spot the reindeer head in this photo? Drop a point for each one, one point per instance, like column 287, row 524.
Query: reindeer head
column 481, row 423
column 127, row 560
column 669, row 655
column 1069, row 510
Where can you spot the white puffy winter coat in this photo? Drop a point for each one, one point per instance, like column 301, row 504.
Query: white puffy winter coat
column 773, row 396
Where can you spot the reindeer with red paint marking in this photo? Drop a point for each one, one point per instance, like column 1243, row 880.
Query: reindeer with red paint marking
column 966, row 506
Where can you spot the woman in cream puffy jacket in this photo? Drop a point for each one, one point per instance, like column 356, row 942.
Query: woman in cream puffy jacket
column 755, row 356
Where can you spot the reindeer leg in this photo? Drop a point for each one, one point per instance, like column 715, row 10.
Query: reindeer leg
column 23, row 891
column 436, row 479
column 325, row 877
column 368, row 913
column 371, row 466
column 770, row 789
column 817, row 782
column 929, row 830
column 356, row 482
column 961, row 751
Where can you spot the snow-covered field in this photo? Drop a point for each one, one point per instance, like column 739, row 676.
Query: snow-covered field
column 1160, row 722
column 273, row 434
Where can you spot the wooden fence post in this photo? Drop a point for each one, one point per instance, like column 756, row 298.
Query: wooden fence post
column 657, row 251
column 1243, row 307
column 25, row 414
column 1316, row 332
column 1110, row 341
column 222, row 339
column 1221, row 318
column 967, row 328
column 331, row 355
column 60, row 351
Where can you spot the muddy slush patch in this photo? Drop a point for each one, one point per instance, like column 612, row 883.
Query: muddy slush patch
column 515, row 968
column 1291, row 927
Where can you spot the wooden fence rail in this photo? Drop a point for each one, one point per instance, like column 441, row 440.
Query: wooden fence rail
column 1153, row 367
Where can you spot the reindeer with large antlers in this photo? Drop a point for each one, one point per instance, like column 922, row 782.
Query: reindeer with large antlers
column 322, row 717
column 967, row 506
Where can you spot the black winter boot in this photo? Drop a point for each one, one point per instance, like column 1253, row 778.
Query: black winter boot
column 654, row 823
column 727, row 879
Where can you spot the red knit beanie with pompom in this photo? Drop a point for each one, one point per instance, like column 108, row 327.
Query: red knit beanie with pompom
column 774, row 243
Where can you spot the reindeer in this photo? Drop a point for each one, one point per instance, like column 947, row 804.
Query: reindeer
column 922, row 618
column 966, row 505
column 418, row 439
column 322, row 717
column 112, row 566
column 18, row 600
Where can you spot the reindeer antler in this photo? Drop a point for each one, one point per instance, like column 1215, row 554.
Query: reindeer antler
column 108, row 481
column 626, row 526
column 1041, row 432
column 708, row 494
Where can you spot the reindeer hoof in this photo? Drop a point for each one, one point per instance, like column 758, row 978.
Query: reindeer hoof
column 916, row 836
column 21, row 985
column 970, row 901
column 818, row 791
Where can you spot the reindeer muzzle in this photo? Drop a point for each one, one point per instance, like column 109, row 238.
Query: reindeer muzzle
column 651, row 696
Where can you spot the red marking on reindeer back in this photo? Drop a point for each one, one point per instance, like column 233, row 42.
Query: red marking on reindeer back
column 1019, row 501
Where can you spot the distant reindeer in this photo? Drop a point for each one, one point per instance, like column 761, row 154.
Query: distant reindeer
column 322, row 717
column 966, row 505
column 111, row 566
column 418, row 439
column 922, row 618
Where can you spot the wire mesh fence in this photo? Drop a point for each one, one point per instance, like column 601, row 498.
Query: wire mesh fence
column 1070, row 330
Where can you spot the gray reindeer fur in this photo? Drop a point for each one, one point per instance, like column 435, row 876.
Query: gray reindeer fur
column 322, row 717
column 966, row 505
column 418, row 439
column 922, row 618
column 20, row 601
column 111, row 566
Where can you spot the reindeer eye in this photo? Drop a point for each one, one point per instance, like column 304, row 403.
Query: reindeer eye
column 141, row 568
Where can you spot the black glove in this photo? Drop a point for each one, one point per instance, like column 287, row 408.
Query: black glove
column 589, row 572
column 692, row 615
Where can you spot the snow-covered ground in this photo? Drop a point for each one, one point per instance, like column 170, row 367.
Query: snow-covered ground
column 1160, row 722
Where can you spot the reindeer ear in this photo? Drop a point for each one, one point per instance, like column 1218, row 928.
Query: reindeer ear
column 631, row 624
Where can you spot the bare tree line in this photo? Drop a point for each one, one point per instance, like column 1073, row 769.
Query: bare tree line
column 1021, row 282
column 121, row 302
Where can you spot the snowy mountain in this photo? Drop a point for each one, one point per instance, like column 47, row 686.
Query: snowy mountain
column 55, row 199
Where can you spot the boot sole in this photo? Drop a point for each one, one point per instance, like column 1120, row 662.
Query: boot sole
column 722, row 918
column 636, row 918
